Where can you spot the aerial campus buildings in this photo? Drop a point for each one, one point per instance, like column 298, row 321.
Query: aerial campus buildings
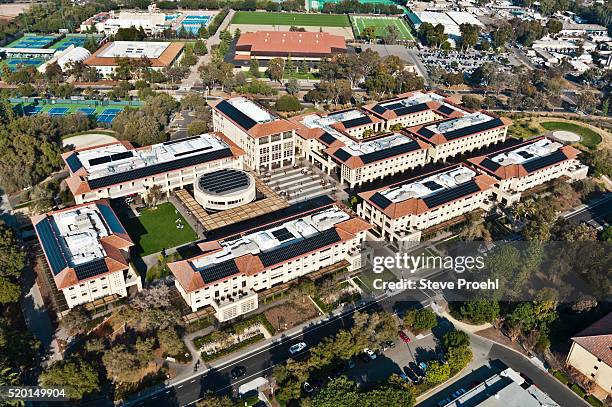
column 87, row 252
column 231, row 271
column 118, row 169
column 157, row 55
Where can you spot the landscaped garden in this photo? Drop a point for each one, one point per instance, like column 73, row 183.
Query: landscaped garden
column 590, row 138
column 158, row 228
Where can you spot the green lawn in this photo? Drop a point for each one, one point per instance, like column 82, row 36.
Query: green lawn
column 297, row 19
column 155, row 229
column 381, row 24
column 590, row 138
column 368, row 278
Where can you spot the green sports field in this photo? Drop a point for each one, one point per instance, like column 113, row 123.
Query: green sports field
column 381, row 23
column 297, row 19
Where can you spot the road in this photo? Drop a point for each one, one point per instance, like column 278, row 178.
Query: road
column 260, row 362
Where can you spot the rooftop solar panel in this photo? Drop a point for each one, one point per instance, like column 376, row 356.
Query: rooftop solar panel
column 53, row 251
column 425, row 132
column 159, row 168
column 90, row 269
column 73, row 162
column 223, row 180
column 342, row 155
column 451, row 194
column 490, row 164
column 379, row 109
column 526, row 155
column 167, row 143
column 359, row 121
column 282, row 234
column 411, row 109
column 477, row 128
column 100, row 160
column 380, row 200
column 193, row 151
column 219, row 271
column 236, row 115
column 111, row 219
column 447, row 110
column 390, row 152
column 395, row 106
column 542, row 162
column 122, row 155
column 327, row 138
column 432, row 185
column 299, row 248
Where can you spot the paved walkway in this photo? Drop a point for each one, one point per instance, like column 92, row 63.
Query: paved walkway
column 462, row 326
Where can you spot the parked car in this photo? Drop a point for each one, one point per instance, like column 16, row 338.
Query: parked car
column 297, row 348
column 412, row 376
column 403, row 336
column 237, row 372
column 443, row 402
column 423, row 366
column 458, row 393
column 417, row 370
column 370, row 353
column 308, row 387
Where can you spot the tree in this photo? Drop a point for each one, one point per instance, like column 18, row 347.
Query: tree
column 587, row 101
column 522, row 317
column 9, row 291
column 154, row 195
column 455, row 339
column 288, row 103
column 420, row 320
column 254, row 68
column 469, row 35
column 437, row 373
column 211, row 400
column 370, row 330
column 276, row 68
column 369, row 33
column 471, row 102
column 554, row 26
column 75, row 320
column 292, row 86
column 197, row 127
column 392, row 34
column 199, row 48
column 75, row 374
column 458, row 358
column 170, row 341
column 339, row 392
column 476, row 311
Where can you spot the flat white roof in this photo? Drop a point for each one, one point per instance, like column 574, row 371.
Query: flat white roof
column 252, row 109
column 540, row 148
column 430, row 185
column 98, row 166
column 471, row 119
column 134, row 49
column 80, row 230
column 415, row 99
column 351, row 146
column 271, row 238
column 463, row 17
column 435, row 18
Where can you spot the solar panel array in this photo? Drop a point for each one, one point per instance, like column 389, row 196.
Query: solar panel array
column 114, row 157
column 380, row 109
column 197, row 150
column 327, row 138
column 433, row 185
column 542, row 162
column 411, row 109
column 53, row 251
column 342, row 155
column 390, row 152
column 90, row 269
column 223, row 181
column 73, row 162
column 490, row 164
column 219, row 271
column 299, row 248
column 180, row 140
column 111, row 219
column 159, row 168
column 380, row 200
column 236, row 115
column 282, row 234
column 446, row 109
column 451, row 194
column 359, row 121
column 477, row 128
column 425, row 132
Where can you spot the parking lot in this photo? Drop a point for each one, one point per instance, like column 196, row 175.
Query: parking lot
column 464, row 61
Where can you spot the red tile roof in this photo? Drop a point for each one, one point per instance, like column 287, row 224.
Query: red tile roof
column 284, row 43
column 597, row 339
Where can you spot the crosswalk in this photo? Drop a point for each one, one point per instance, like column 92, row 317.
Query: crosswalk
column 298, row 184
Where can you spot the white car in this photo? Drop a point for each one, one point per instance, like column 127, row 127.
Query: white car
column 297, row 348
column 370, row 353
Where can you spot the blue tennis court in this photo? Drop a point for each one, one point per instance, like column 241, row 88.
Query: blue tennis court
column 108, row 115
column 58, row 111
column 31, row 110
column 32, row 41
column 193, row 23
column 25, row 61
column 88, row 111
column 76, row 41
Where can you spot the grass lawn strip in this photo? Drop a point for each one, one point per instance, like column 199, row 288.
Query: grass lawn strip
column 381, row 24
column 156, row 229
column 590, row 138
column 296, row 19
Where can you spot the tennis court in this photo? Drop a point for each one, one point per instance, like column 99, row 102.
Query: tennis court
column 192, row 23
column 382, row 26
column 88, row 111
column 108, row 115
column 102, row 114
column 58, row 111
column 31, row 110
column 299, row 20
column 32, row 41
column 76, row 40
